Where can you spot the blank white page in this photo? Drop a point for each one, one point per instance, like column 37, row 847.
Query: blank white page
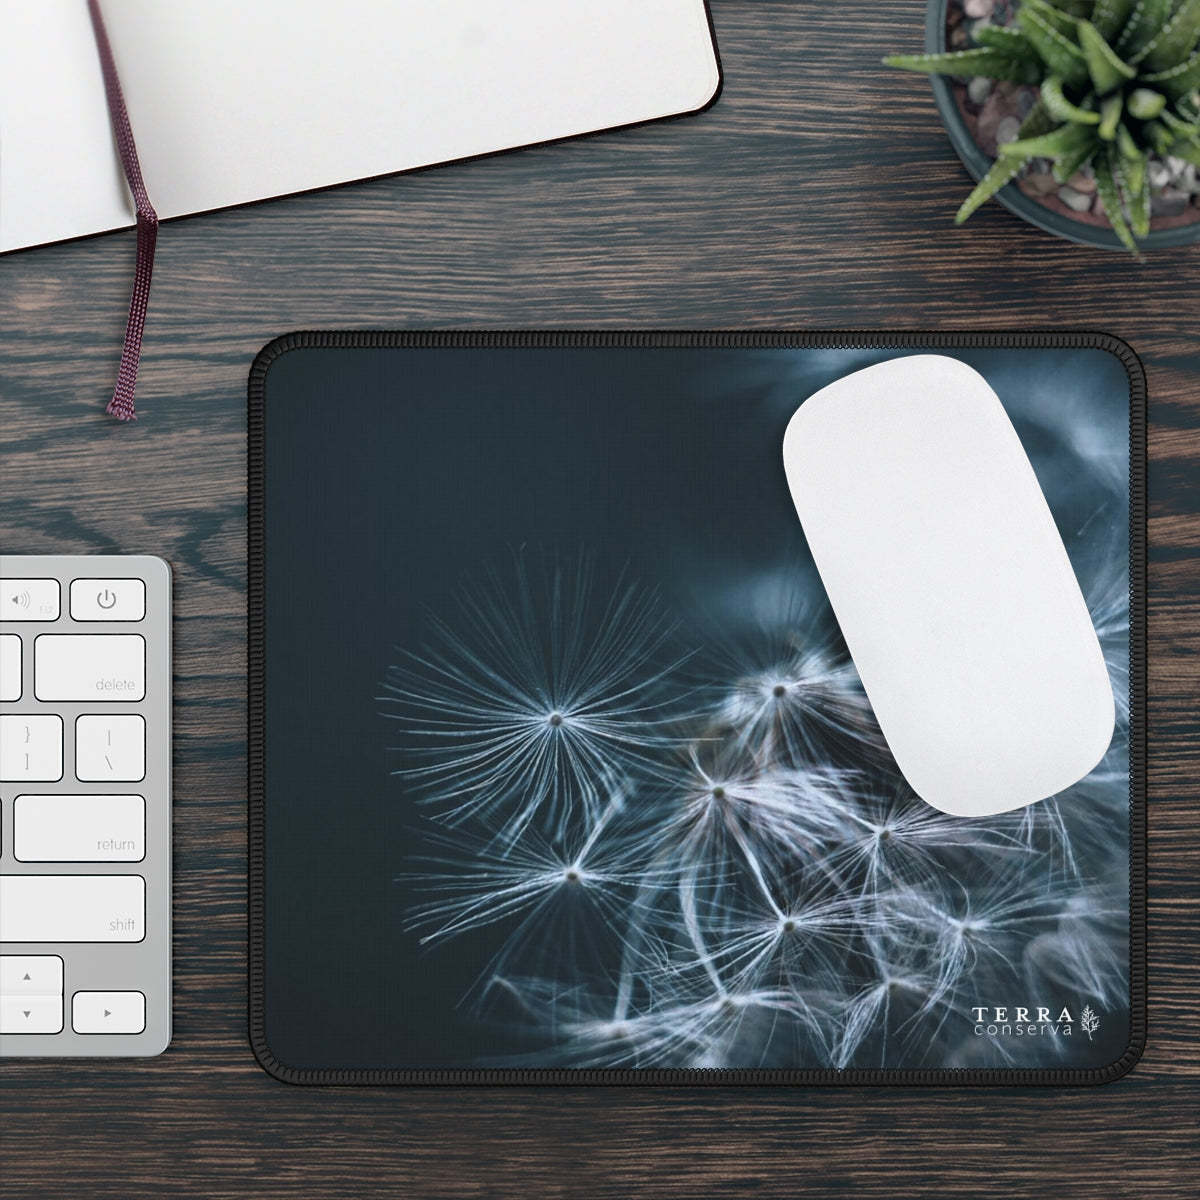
column 60, row 176
column 238, row 100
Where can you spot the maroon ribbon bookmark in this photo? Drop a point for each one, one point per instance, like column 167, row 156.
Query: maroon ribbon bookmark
column 121, row 404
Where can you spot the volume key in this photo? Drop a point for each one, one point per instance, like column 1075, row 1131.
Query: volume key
column 29, row 599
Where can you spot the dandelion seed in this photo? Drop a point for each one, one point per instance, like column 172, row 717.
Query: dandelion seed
column 807, row 943
column 723, row 804
column 528, row 695
column 754, row 1027
column 795, row 699
column 891, row 838
column 881, row 1012
column 556, row 899
column 742, row 986
column 786, row 712
column 992, row 920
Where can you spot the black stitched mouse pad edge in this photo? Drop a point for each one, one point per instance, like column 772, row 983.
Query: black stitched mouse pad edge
column 693, row 1076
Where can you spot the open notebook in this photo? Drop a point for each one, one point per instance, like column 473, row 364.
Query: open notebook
column 233, row 101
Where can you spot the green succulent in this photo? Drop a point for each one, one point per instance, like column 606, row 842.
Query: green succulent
column 1119, row 80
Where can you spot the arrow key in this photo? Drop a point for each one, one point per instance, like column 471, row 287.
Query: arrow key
column 108, row 1012
column 31, row 1014
column 31, row 975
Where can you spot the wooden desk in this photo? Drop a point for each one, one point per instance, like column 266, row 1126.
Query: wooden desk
column 817, row 193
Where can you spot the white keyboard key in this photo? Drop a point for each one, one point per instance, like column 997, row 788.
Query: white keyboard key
column 110, row 748
column 89, row 666
column 31, row 1014
column 108, row 599
column 108, row 1012
column 79, row 829
column 31, row 748
column 10, row 666
column 31, row 975
column 29, row 599
column 72, row 908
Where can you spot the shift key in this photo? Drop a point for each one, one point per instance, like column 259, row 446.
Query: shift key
column 89, row 666
column 72, row 908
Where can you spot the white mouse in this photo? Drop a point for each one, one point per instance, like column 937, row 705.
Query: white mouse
column 951, row 584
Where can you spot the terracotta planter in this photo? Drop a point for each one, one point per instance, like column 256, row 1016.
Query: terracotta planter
column 1026, row 207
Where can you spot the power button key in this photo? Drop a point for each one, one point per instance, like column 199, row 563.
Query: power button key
column 108, row 599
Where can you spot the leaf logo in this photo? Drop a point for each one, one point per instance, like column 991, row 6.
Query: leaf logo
column 1088, row 1021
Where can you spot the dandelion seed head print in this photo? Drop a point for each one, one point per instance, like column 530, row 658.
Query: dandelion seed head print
column 649, row 818
column 529, row 699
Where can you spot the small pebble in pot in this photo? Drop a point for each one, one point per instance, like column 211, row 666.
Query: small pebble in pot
column 1007, row 130
column 1076, row 201
column 1082, row 181
column 1171, row 203
column 1159, row 172
column 1039, row 183
column 995, row 109
column 979, row 89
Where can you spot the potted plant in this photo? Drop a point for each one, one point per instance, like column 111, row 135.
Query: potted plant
column 1100, row 141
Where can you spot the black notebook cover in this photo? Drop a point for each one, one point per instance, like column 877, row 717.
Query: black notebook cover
column 560, row 771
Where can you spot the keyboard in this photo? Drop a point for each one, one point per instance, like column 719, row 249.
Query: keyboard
column 85, row 805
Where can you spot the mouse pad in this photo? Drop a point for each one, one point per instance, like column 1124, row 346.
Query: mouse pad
column 560, row 771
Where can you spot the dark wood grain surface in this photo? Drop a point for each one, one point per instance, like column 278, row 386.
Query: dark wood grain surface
column 817, row 193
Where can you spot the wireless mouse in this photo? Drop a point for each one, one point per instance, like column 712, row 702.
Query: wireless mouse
column 951, row 584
